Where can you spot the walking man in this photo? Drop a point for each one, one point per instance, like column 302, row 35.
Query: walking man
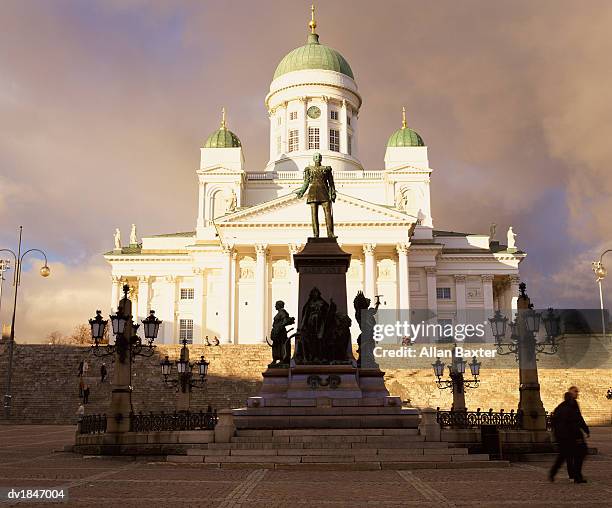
column 568, row 427
column 103, row 373
column 86, row 394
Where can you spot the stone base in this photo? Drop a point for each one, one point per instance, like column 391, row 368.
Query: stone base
column 324, row 396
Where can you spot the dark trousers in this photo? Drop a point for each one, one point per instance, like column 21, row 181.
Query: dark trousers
column 573, row 452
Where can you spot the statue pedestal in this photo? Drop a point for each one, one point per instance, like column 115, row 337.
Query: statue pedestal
column 322, row 264
column 329, row 393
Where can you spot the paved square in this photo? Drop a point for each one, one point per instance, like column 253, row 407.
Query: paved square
column 32, row 456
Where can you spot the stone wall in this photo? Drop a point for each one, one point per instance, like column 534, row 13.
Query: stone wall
column 45, row 383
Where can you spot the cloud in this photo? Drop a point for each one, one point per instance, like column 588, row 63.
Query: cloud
column 104, row 105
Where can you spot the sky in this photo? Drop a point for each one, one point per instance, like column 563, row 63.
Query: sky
column 104, row 105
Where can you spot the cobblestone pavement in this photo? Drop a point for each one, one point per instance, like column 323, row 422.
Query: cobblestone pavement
column 31, row 456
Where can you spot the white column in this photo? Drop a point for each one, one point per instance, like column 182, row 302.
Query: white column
column 198, row 305
column 403, row 284
column 169, row 317
column 143, row 297
column 233, row 283
column 432, row 297
column 354, row 145
column 200, row 220
column 292, row 306
column 343, row 128
column 515, row 280
column 460, row 298
column 272, row 118
column 304, row 133
column 369, row 250
column 489, row 304
column 285, row 128
column 324, row 133
column 261, row 291
column 115, row 292
column 226, row 319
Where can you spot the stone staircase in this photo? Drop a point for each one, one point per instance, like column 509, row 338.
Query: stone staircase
column 362, row 449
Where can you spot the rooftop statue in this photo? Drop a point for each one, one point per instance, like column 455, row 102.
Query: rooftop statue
column 319, row 182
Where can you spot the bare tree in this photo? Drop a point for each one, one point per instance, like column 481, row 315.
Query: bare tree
column 55, row 338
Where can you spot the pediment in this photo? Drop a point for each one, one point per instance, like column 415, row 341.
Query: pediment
column 291, row 210
column 220, row 170
column 406, row 169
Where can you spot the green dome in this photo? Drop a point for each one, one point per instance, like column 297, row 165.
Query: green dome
column 405, row 137
column 222, row 138
column 313, row 55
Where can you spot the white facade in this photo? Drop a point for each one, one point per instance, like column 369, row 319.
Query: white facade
column 222, row 279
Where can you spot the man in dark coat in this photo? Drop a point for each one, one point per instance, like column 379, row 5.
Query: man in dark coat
column 568, row 427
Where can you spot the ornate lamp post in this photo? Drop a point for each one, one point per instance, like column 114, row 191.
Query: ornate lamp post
column 44, row 272
column 526, row 347
column 125, row 349
column 457, row 383
column 600, row 274
column 184, row 380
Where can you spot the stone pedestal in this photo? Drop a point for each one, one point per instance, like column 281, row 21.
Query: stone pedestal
column 322, row 264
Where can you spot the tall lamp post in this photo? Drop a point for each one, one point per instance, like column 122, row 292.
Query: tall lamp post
column 524, row 344
column 127, row 346
column 185, row 381
column 600, row 274
column 44, row 272
column 457, row 383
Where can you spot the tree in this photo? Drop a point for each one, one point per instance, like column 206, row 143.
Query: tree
column 81, row 335
column 55, row 338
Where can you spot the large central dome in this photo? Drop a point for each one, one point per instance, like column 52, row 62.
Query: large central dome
column 314, row 55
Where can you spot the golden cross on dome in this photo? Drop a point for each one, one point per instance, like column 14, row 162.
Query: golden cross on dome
column 313, row 23
column 404, row 125
column 223, row 124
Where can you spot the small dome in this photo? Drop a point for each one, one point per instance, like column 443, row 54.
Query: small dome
column 223, row 137
column 314, row 55
column 405, row 136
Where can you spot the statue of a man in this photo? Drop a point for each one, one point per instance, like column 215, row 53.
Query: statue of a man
column 366, row 319
column 321, row 192
column 133, row 237
column 511, row 238
column 312, row 326
column 117, row 237
column 232, row 201
column 281, row 350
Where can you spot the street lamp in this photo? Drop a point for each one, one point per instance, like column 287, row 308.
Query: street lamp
column 524, row 345
column 45, row 271
column 5, row 265
column 184, row 370
column 600, row 274
column 127, row 345
column 457, row 383
column 124, row 329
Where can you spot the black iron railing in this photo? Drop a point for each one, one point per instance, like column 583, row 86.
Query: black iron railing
column 93, row 424
column 183, row 420
column 476, row 419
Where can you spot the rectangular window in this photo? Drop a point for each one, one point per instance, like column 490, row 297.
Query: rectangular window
column 278, row 144
column 186, row 330
column 293, row 140
column 293, row 115
column 334, row 140
column 348, row 120
column 313, row 138
column 334, row 115
column 349, row 148
column 187, row 294
column 443, row 293
column 446, row 330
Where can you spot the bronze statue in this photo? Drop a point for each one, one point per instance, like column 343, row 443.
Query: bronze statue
column 366, row 318
column 322, row 192
column 324, row 333
column 281, row 348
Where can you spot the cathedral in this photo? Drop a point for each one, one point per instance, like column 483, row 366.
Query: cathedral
column 220, row 282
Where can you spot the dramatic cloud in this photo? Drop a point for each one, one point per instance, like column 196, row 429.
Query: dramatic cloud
column 104, row 104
